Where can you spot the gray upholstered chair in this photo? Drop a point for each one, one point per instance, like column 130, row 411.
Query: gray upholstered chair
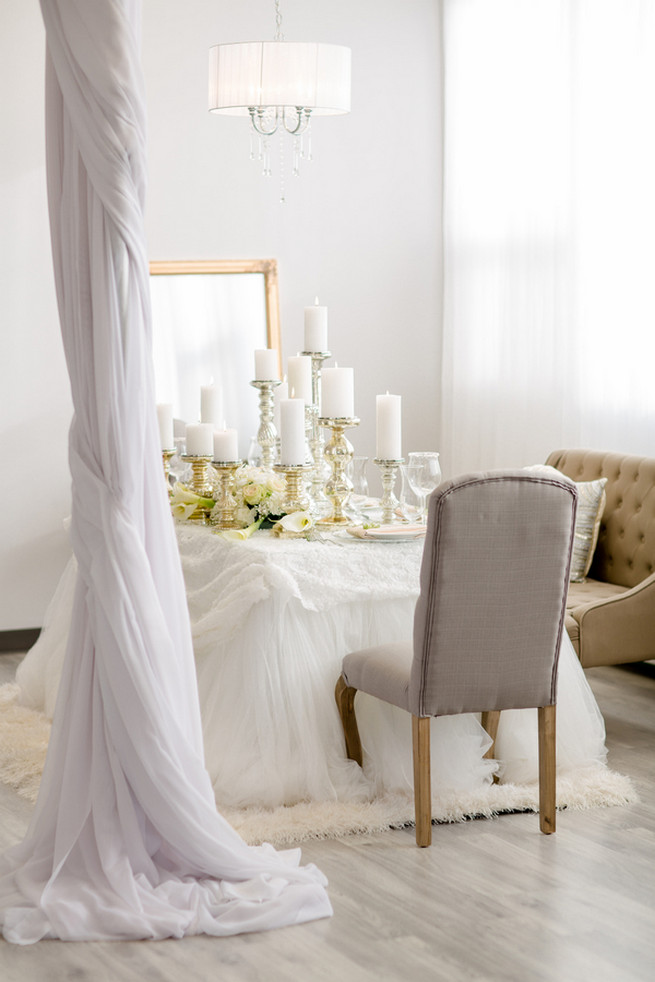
column 488, row 621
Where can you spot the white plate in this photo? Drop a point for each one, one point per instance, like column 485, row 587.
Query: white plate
column 390, row 533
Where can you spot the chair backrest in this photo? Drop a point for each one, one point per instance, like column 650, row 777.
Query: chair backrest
column 494, row 581
column 625, row 552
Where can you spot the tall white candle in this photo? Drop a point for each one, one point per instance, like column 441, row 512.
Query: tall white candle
column 316, row 323
column 388, row 427
column 280, row 392
column 266, row 364
column 299, row 374
column 292, row 432
column 165, row 420
column 337, row 393
column 211, row 410
column 226, row 445
column 200, row 439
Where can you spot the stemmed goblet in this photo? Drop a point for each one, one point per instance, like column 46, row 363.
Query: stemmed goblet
column 424, row 475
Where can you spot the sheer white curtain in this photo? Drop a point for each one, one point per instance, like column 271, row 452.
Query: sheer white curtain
column 125, row 840
column 549, row 229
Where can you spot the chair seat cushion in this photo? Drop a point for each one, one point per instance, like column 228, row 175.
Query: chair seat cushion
column 382, row 671
column 579, row 596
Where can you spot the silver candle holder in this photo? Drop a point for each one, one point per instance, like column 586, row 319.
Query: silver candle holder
column 295, row 498
column 224, row 513
column 338, row 453
column 200, row 482
column 389, row 501
column 266, row 434
column 315, row 435
column 167, row 456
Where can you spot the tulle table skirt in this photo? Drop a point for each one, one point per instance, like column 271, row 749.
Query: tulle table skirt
column 271, row 621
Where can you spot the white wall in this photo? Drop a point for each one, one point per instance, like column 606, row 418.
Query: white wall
column 360, row 228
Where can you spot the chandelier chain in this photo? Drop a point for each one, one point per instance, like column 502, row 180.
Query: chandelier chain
column 279, row 36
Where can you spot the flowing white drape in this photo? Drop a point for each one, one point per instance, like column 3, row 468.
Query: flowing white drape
column 125, row 841
column 549, row 229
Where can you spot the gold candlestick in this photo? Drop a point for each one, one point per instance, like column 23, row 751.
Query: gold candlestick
column 226, row 507
column 266, row 434
column 295, row 498
column 200, row 483
column 389, row 501
column 167, row 455
column 338, row 453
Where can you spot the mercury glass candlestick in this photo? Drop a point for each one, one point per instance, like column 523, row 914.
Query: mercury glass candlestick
column 167, row 456
column 295, row 498
column 338, row 453
column 389, row 470
column 266, row 434
column 315, row 436
column 200, row 482
column 224, row 513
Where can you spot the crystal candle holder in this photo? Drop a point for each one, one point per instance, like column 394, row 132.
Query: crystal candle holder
column 224, row 513
column 200, row 482
column 266, row 434
column 338, row 453
column 315, row 434
column 389, row 501
column 295, row 498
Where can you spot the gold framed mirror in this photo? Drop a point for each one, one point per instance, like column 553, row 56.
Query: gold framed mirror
column 209, row 317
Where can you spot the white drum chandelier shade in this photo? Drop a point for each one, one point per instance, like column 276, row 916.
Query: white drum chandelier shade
column 249, row 78
column 281, row 85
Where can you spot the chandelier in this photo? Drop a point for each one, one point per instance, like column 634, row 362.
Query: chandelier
column 281, row 85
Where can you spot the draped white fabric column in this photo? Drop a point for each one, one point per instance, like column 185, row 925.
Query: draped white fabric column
column 125, row 841
column 549, row 229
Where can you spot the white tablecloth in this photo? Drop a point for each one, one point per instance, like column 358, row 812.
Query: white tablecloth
column 271, row 621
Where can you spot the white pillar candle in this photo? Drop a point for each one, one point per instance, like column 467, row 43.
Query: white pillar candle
column 165, row 420
column 200, row 439
column 292, row 432
column 280, row 392
column 299, row 374
column 337, row 393
column 266, row 364
column 316, row 328
column 388, row 427
column 211, row 410
column 226, row 445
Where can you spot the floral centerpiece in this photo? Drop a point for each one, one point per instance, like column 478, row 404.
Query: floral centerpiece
column 259, row 497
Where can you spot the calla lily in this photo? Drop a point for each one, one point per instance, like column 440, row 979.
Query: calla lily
column 237, row 535
column 184, row 502
column 296, row 521
column 181, row 511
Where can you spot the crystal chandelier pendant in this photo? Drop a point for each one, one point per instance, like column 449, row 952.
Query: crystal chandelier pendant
column 281, row 86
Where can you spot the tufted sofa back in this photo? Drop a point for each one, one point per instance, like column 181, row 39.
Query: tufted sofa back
column 625, row 553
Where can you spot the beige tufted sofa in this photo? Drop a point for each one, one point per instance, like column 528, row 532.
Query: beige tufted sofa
column 611, row 615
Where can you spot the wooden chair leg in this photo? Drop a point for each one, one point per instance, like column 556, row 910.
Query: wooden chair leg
column 345, row 697
column 422, row 782
column 490, row 721
column 547, row 765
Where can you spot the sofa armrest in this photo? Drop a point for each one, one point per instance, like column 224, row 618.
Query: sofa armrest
column 618, row 629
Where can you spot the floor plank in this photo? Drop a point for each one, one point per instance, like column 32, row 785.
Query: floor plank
column 490, row 900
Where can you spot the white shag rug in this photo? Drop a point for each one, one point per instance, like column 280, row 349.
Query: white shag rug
column 24, row 736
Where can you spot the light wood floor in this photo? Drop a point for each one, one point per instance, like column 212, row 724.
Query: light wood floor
column 491, row 900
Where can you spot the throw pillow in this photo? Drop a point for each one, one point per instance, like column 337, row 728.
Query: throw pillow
column 591, row 504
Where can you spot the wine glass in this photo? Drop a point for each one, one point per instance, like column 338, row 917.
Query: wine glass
column 409, row 500
column 424, row 475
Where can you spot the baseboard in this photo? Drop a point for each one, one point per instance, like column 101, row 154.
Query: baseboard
column 18, row 640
